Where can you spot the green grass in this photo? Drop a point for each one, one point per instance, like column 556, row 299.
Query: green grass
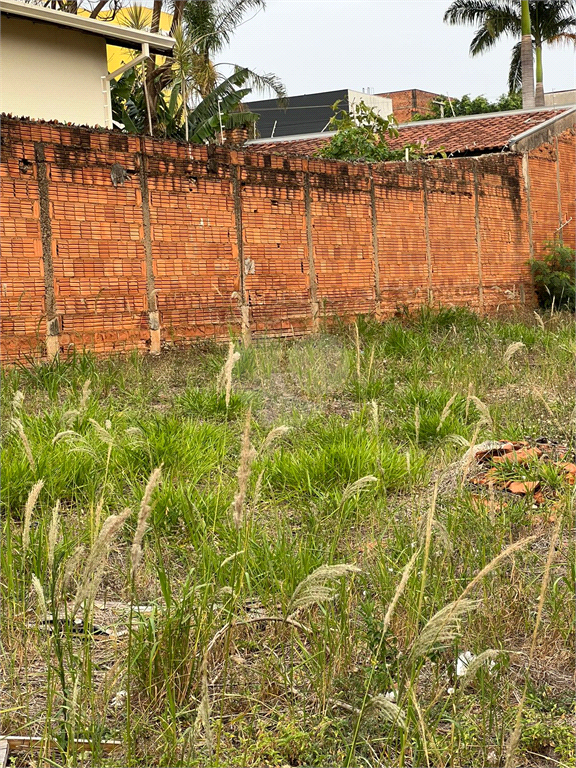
column 218, row 667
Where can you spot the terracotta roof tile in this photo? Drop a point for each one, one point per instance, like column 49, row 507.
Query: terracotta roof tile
column 454, row 136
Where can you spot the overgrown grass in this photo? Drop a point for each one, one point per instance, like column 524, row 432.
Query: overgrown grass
column 310, row 552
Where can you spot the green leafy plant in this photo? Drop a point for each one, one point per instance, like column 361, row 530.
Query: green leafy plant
column 447, row 107
column 362, row 134
column 554, row 278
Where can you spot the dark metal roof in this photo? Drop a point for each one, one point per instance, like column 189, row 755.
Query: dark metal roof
column 304, row 114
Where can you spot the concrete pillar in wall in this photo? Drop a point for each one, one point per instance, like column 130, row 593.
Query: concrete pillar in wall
column 152, row 301
column 52, row 320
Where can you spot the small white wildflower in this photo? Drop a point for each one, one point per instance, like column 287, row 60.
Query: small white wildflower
column 450, row 691
column 119, row 699
column 463, row 662
column 390, row 695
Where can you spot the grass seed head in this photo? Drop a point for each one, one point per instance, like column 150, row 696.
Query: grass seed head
column 225, row 378
column 85, row 396
column 443, row 628
column 53, row 534
column 388, row 710
column 143, row 515
column 512, row 349
column 247, row 456
column 17, row 401
column 28, row 509
column 96, row 561
column 18, row 427
column 318, row 587
column 42, row 610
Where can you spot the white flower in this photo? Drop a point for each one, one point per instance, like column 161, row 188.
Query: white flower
column 119, row 699
column 463, row 662
column 450, row 691
column 390, row 695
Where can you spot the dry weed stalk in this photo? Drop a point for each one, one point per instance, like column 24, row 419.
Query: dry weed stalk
column 317, row 588
column 42, row 610
column 445, row 412
column 53, row 534
column 224, row 381
column 85, row 396
column 356, row 487
column 385, row 624
column 143, row 515
column 417, row 423
column 539, row 320
column 71, row 567
column 203, row 715
column 17, row 425
column 443, row 628
column 388, row 710
column 17, row 401
column 272, row 436
column 483, row 410
column 97, row 558
column 512, row 349
column 28, row 509
column 444, row 623
column 358, row 352
column 515, row 735
column 489, row 655
column 247, row 456
column 375, row 415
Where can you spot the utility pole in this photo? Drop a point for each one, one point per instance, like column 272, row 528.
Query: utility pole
column 527, row 59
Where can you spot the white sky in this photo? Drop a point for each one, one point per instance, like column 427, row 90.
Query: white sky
column 387, row 45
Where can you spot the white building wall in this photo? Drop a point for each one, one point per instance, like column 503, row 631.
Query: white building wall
column 51, row 73
column 380, row 104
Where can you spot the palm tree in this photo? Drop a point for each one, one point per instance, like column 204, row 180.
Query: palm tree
column 202, row 28
column 551, row 21
column 209, row 25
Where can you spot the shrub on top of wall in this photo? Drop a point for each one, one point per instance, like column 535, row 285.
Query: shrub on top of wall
column 554, row 277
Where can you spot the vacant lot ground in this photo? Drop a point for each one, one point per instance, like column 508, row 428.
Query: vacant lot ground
column 298, row 583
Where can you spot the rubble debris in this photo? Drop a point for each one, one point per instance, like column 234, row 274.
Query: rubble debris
column 512, row 467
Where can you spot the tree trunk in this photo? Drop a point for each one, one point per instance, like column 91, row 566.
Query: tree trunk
column 156, row 11
column 539, row 97
column 177, row 18
column 527, row 59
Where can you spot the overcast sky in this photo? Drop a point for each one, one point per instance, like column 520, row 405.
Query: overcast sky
column 387, row 45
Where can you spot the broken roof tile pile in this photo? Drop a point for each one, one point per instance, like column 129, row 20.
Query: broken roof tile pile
column 453, row 136
column 514, row 468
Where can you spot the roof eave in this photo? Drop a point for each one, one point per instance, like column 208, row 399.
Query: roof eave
column 113, row 35
column 541, row 133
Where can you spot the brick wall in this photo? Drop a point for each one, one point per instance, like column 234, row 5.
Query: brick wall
column 406, row 104
column 195, row 242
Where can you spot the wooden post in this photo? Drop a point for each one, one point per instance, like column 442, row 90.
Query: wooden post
column 52, row 322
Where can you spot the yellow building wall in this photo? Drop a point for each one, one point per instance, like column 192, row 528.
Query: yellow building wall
column 50, row 73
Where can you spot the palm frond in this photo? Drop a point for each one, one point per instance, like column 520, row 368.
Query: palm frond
column 515, row 73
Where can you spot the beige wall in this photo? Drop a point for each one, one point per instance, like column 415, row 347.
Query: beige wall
column 51, row 73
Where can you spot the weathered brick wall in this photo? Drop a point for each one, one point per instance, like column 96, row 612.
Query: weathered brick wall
column 196, row 242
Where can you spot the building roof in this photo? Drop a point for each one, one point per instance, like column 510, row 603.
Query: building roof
column 113, row 34
column 473, row 134
column 310, row 112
